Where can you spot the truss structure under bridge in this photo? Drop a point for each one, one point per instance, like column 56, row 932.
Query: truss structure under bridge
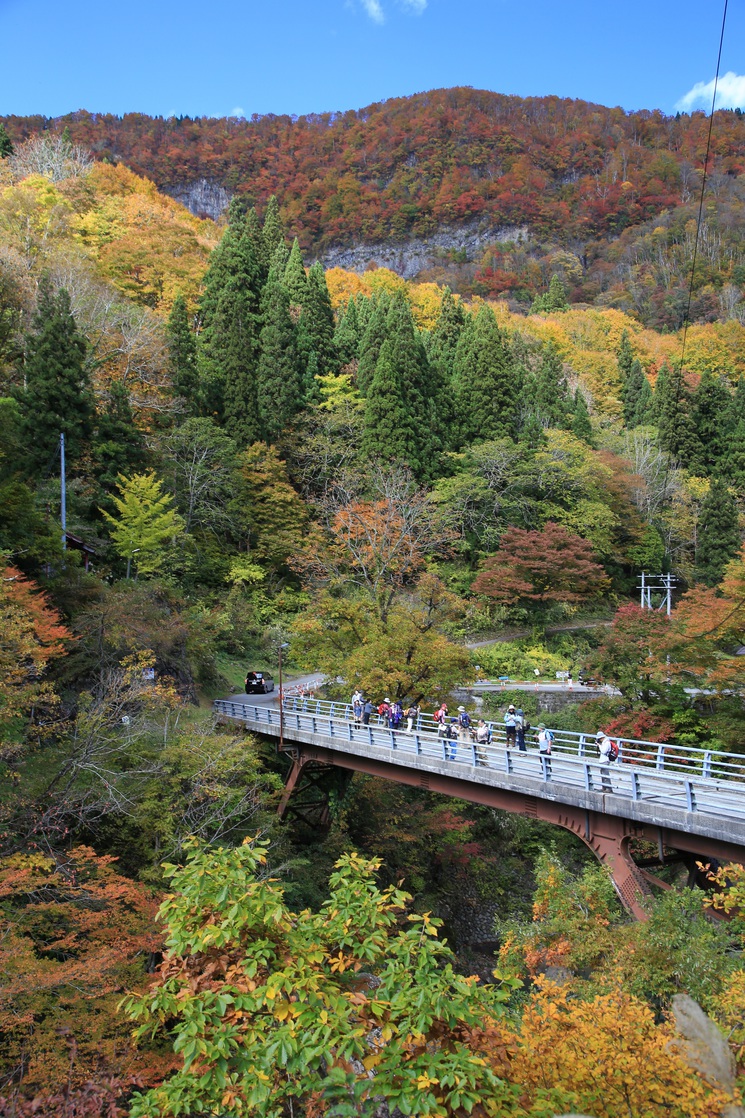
column 689, row 803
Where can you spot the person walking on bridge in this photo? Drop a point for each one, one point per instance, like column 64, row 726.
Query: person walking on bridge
column 608, row 752
column 545, row 741
column 412, row 715
column 367, row 710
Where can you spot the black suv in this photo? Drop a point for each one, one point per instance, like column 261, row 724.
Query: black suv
column 258, row 683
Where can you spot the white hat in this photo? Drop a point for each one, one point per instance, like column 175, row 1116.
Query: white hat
column 461, row 708
column 386, row 699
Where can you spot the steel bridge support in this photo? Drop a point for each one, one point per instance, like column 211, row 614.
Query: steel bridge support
column 608, row 836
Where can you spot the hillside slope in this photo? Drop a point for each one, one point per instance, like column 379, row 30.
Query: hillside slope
column 540, row 185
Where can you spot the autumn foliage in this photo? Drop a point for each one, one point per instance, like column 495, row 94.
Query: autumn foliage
column 552, row 564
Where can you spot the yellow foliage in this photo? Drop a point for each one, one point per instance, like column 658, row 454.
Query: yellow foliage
column 426, row 300
column 344, row 285
column 383, row 279
column 605, row 1057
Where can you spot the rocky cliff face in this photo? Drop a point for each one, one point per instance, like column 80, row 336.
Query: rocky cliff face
column 408, row 258
column 204, row 198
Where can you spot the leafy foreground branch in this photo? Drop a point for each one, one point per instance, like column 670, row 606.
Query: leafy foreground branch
column 357, row 1010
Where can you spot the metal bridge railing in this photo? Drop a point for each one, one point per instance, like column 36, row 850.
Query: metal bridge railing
column 663, row 779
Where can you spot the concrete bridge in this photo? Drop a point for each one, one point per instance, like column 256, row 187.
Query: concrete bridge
column 688, row 803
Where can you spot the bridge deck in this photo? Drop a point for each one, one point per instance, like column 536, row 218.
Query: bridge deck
column 687, row 801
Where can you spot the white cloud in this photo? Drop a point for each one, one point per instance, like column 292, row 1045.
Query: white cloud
column 415, row 6
column 730, row 93
column 237, row 111
column 374, row 10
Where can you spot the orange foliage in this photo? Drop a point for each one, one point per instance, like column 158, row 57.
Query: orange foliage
column 77, row 936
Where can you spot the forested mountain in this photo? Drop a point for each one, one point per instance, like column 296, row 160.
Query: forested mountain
column 364, row 471
column 602, row 197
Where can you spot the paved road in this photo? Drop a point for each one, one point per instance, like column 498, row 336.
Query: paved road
column 571, row 628
column 289, row 686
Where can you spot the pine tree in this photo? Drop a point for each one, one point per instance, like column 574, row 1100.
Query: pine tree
column 672, row 413
column 555, row 299
column 389, row 431
column 182, row 353
column 581, row 426
column 550, row 399
column 486, row 389
column 295, row 279
column 230, row 314
column 347, row 334
column 279, row 377
column 274, row 230
column 318, row 319
column 714, row 421
column 636, row 396
column 57, row 396
column 6, row 144
column 255, row 234
column 375, row 334
column 447, row 332
column 718, row 537
column 625, row 359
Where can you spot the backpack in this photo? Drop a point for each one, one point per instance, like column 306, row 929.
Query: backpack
column 613, row 753
column 464, row 718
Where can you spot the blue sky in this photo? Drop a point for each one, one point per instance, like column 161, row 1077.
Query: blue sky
column 289, row 56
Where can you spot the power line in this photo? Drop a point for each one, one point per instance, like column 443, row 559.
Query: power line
column 703, row 188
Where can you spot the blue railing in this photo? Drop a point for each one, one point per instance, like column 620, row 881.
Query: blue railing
column 690, row 780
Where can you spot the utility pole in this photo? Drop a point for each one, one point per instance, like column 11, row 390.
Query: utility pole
column 281, row 745
column 661, row 585
column 64, row 490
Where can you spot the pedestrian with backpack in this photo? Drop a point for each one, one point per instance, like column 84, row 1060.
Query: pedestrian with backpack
column 441, row 718
column 464, row 726
column 412, row 715
column 397, row 713
column 608, row 753
column 452, row 737
column 384, row 713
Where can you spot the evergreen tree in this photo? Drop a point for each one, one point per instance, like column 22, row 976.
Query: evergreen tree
column 375, row 334
column 347, row 334
column 555, row 299
column 486, row 389
column 182, row 353
column 295, row 279
column 230, row 313
column 549, row 398
column 57, row 395
column 118, row 445
column 390, row 431
column 671, row 412
column 274, row 230
column 636, row 396
column 581, row 426
column 625, row 359
column 6, row 144
column 447, row 332
column 318, row 319
column 718, row 537
column 255, row 234
column 279, row 378
column 278, row 264
column 408, row 388
column 733, row 464
column 714, row 421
